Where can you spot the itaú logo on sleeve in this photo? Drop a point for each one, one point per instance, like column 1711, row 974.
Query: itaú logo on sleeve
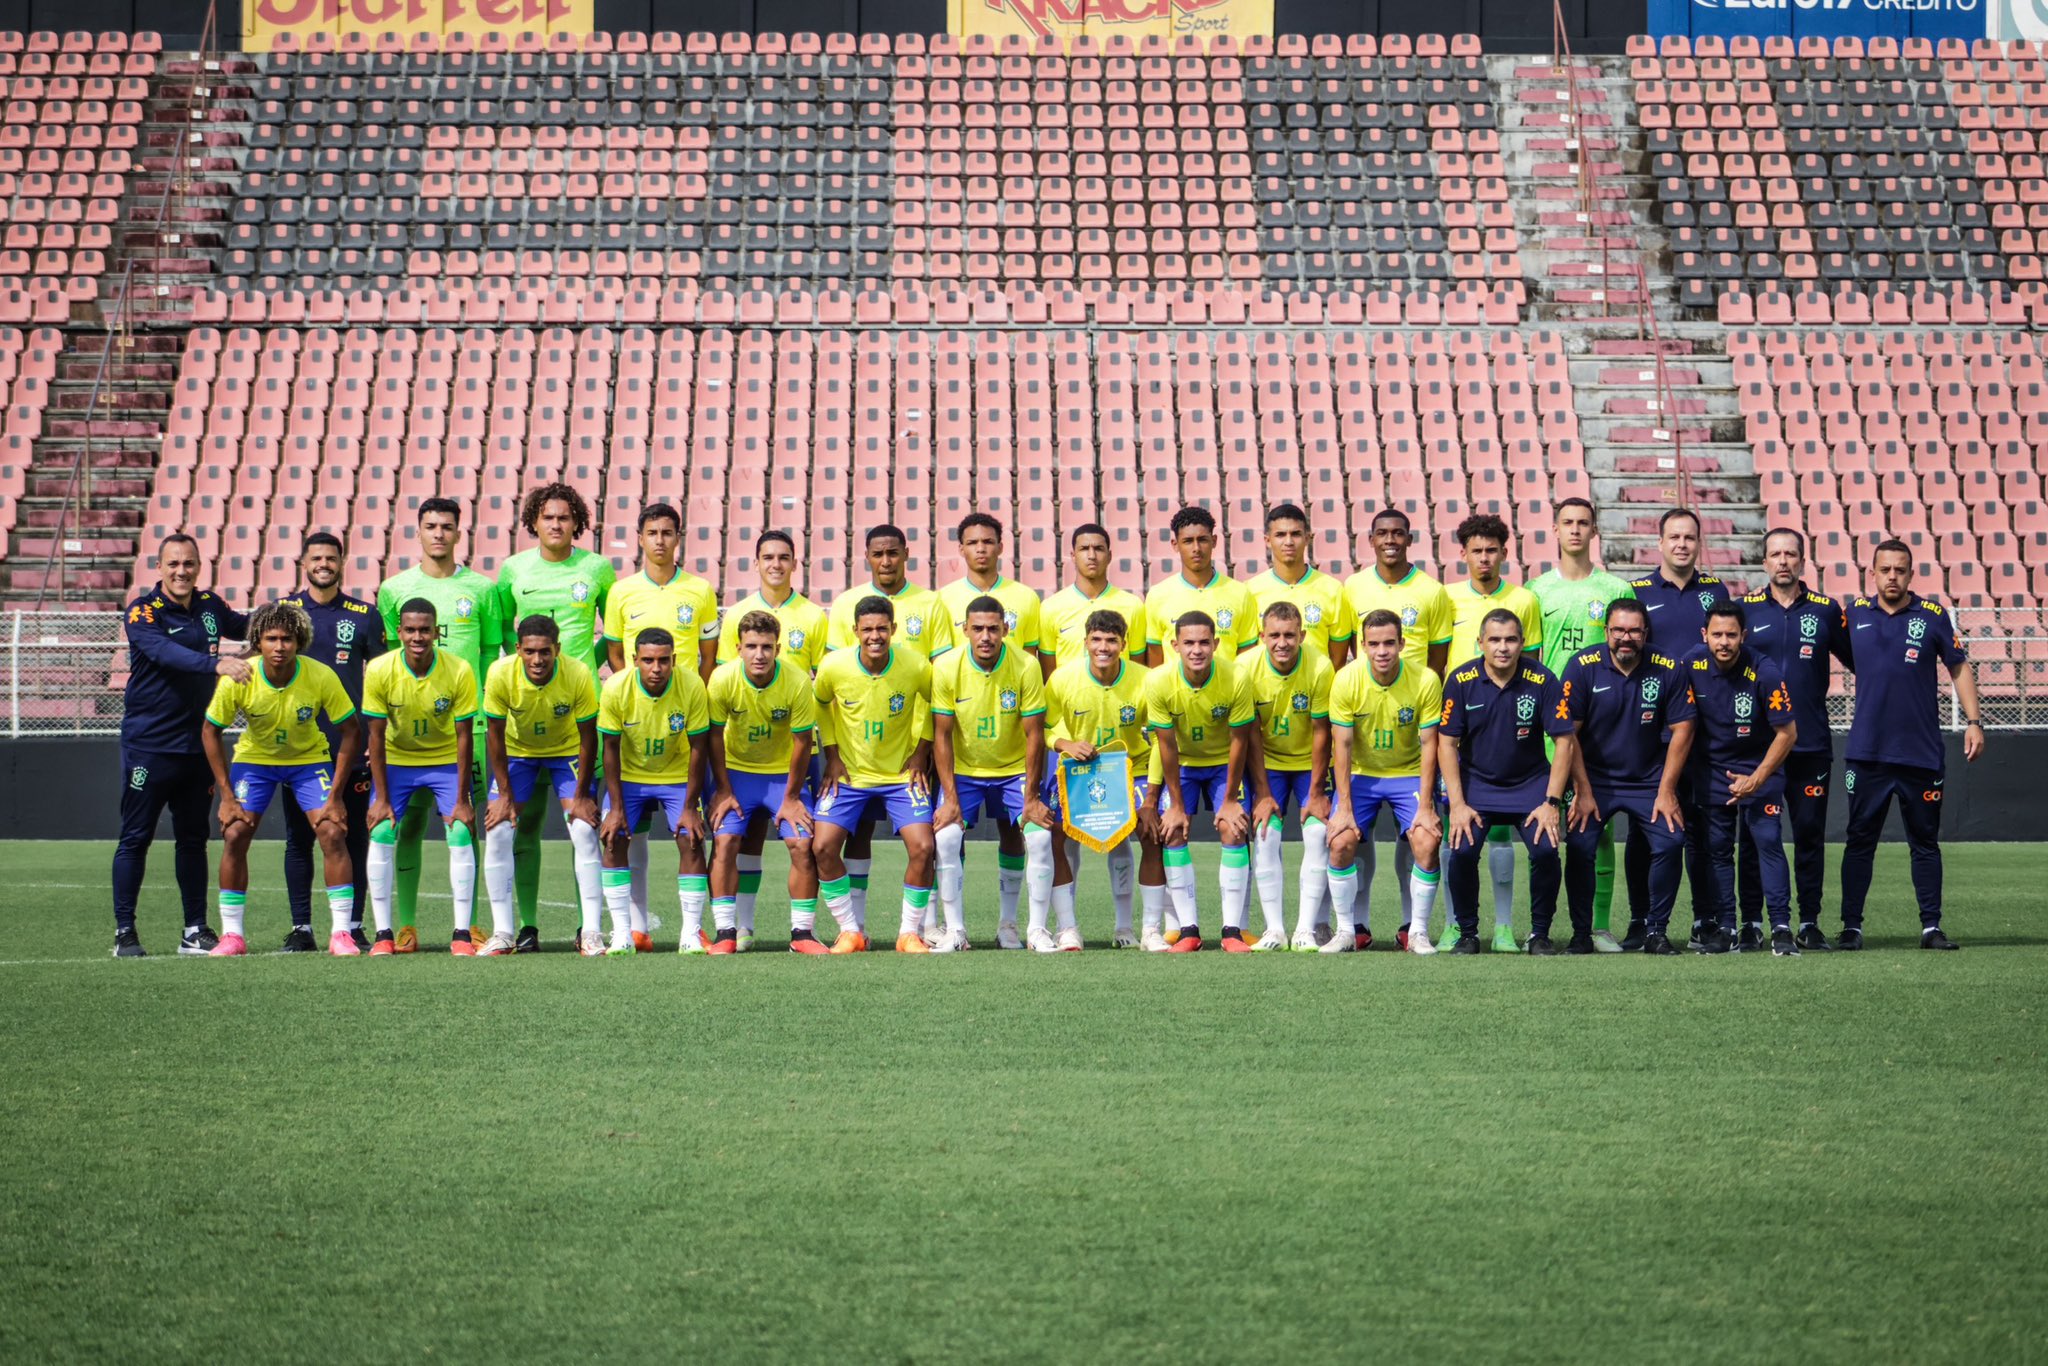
column 1046, row 17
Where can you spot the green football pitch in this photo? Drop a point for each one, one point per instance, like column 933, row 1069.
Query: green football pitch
column 1106, row 1156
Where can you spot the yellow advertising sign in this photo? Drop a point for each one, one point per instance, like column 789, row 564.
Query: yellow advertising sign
column 1102, row 19
column 263, row 21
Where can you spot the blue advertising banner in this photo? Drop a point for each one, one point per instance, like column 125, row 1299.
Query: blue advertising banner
column 1931, row 19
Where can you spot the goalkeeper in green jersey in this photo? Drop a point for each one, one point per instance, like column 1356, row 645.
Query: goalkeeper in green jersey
column 560, row 580
column 466, row 615
column 1574, row 597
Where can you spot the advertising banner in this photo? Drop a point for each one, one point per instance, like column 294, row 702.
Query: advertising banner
column 264, row 20
column 1101, row 19
column 1932, row 19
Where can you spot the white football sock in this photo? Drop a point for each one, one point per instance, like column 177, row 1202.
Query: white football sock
column 637, row 851
column 1500, row 861
column 1236, row 878
column 857, row 870
column 462, row 874
column 1269, row 873
column 1155, row 905
column 618, row 899
column 233, row 905
column 1180, row 888
column 693, row 891
column 1343, row 896
column 1038, row 875
column 750, row 888
column 1313, row 884
column 1422, row 889
column 1063, row 906
column 952, row 875
column 498, row 880
column 1009, row 889
column 1122, row 862
column 383, row 873
column 589, row 874
column 341, row 907
column 839, row 903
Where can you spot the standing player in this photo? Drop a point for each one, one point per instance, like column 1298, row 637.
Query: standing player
column 1801, row 632
column 1291, row 699
column 347, row 635
column 981, row 545
column 283, row 744
column 1199, row 708
column 1097, row 703
column 1574, row 598
column 1497, row 710
column 802, row 634
column 1391, row 583
column 764, row 718
column 988, row 746
column 1327, row 623
column 420, row 701
column 561, row 580
column 1746, row 729
column 174, row 664
column 1624, row 701
column 465, row 607
column 540, row 720
column 1384, row 712
column 1199, row 587
column 1895, row 746
column 654, row 718
column 1484, row 538
column 877, row 695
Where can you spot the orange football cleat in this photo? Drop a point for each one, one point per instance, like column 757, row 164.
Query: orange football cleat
column 1233, row 943
column 463, row 948
column 912, row 943
column 408, row 940
column 1189, row 942
column 722, row 946
column 807, row 946
column 643, row 942
column 382, row 948
column 849, row 941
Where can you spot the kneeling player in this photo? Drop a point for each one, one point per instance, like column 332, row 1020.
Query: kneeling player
column 1291, row 698
column 873, row 701
column 1384, row 712
column 654, row 719
column 421, row 702
column 540, row 716
column 1098, row 702
column 763, row 720
column 282, row 746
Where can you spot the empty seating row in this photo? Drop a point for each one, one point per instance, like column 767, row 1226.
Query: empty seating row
column 28, row 363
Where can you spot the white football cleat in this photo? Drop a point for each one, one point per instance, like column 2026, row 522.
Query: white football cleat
column 1125, row 939
column 952, row 941
column 1418, row 939
column 692, row 943
column 497, row 946
column 590, row 943
column 1340, row 943
column 1070, row 940
column 1006, row 937
column 1304, row 941
column 1272, row 941
column 1153, row 941
column 744, row 942
column 1041, row 941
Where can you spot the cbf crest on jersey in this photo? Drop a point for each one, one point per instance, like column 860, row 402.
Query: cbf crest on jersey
column 1809, row 625
column 442, row 705
column 1008, row 699
column 561, row 709
column 1525, row 708
column 1009, row 621
column 686, row 615
column 1707, row 599
column 1299, row 702
column 676, row 723
column 1652, row 689
column 212, row 626
column 1745, row 705
column 1409, row 616
column 1224, row 616
column 1916, row 628
column 796, row 640
column 345, row 632
column 895, row 704
column 465, row 607
column 778, row 714
column 1596, row 610
column 914, row 627
column 579, row 591
column 1219, row 713
column 1313, row 614
column 1405, row 716
column 1127, row 714
column 305, row 713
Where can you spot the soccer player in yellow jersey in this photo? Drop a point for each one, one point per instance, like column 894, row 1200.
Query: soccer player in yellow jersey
column 1485, row 541
column 1384, row 710
column 1199, row 708
column 1291, row 696
column 1327, row 624
column 540, row 720
column 655, row 721
column 662, row 594
column 421, row 702
column 877, row 696
column 988, row 746
column 1095, row 703
column 803, row 632
column 1199, row 587
column 282, row 745
column 764, row 717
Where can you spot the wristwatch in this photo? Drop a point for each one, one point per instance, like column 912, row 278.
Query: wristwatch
column 1557, row 802
column 1973, row 721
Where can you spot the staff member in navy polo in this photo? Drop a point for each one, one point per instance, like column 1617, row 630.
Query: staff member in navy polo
column 1745, row 730
column 1497, row 709
column 1895, row 745
column 1624, row 700
column 1677, row 598
column 1803, row 633
column 347, row 634
column 174, row 634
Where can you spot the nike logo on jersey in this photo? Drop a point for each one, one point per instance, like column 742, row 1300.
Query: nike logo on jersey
column 1476, row 706
column 1654, row 606
column 172, row 630
column 1863, row 626
column 1603, row 689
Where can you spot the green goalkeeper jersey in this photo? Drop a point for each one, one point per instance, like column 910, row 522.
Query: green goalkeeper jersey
column 572, row 592
column 466, row 607
column 1575, row 613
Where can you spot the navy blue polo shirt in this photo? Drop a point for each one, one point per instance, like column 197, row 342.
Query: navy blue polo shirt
column 1500, row 730
column 1738, row 713
column 1803, row 640
column 1622, row 718
column 1898, row 705
column 172, row 654
column 1678, row 613
column 347, row 634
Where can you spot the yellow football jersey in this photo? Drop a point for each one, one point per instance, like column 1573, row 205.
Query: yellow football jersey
column 1420, row 601
column 1288, row 705
column 1325, row 610
column 1063, row 625
column 761, row 723
column 1107, row 716
column 924, row 626
column 804, row 629
column 281, row 725
column 1388, row 724
column 419, row 711
column 542, row 720
column 988, row 708
column 876, row 719
column 1470, row 607
column 1023, row 614
column 1229, row 604
column 1200, row 718
column 654, row 732
column 685, row 607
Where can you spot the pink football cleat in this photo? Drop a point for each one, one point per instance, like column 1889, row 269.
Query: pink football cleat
column 343, row 945
column 230, row 946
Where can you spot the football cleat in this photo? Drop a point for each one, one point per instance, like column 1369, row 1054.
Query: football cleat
column 1783, row 945
column 527, row 940
column 1361, row 940
column 300, row 940
column 1152, row 941
column 726, row 946
column 1541, row 947
column 643, row 942
column 1125, row 939
column 622, row 946
column 1935, row 939
column 362, row 941
column 1580, row 944
column 1634, row 938
column 1658, row 945
column 477, row 935
column 1448, row 940
column 807, row 945
column 1304, row 941
column 1465, row 943
column 1235, row 943
column 1188, row 941
column 407, row 940
column 198, row 941
column 1041, row 941
column 1401, row 939
column 1850, row 940
column 463, row 946
column 1006, row 937
column 1713, row 939
column 850, row 941
column 1419, row 942
column 912, row 943
column 228, row 946
column 1340, row 943
column 342, row 944
column 1170, row 931
column 1070, row 940
column 1605, row 942
column 590, row 943
column 1504, row 939
column 1272, row 941
column 1811, row 940
column 744, row 942
column 696, row 944
column 497, row 946
column 128, row 944
column 1751, row 939
column 383, row 945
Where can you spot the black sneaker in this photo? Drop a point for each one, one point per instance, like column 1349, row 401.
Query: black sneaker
column 1539, row 946
column 1632, row 942
column 128, row 944
column 1712, row 939
column 1580, row 943
column 300, row 940
column 1783, row 945
column 1751, row 938
column 197, row 941
column 527, row 940
column 1467, row 943
column 1657, row 946
column 355, row 932
column 1812, row 940
column 1935, row 939
column 1693, row 942
column 1850, row 939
